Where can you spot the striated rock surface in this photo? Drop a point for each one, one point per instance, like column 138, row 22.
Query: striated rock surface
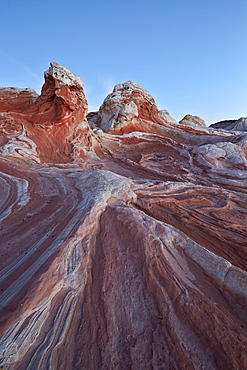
column 232, row 125
column 16, row 99
column 62, row 100
column 123, row 245
column 125, row 109
column 192, row 121
column 167, row 117
column 53, row 120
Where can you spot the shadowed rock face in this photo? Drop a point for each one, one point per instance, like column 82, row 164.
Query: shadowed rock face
column 119, row 250
column 232, row 125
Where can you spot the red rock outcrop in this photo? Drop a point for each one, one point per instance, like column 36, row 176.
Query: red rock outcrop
column 122, row 251
column 54, row 119
column 16, row 99
column 128, row 108
column 62, row 100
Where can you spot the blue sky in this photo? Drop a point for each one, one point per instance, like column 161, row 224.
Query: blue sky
column 190, row 54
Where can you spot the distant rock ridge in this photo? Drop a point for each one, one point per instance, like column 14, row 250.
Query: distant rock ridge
column 123, row 233
column 232, row 125
column 192, row 121
column 166, row 116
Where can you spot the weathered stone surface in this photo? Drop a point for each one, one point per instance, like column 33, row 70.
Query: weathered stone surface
column 16, row 99
column 166, row 115
column 124, row 109
column 52, row 120
column 62, row 100
column 120, row 249
column 232, row 125
column 192, row 121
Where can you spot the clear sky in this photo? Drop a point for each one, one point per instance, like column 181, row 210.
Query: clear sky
column 191, row 55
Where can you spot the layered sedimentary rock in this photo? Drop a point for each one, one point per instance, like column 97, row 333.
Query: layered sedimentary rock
column 123, row 235
column 128, row 108
column 53, row 120
column 232, row 125
column 166, row 116
column 14, row 98
column 192, row 121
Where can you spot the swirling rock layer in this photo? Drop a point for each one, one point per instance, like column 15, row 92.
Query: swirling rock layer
column 119, row 250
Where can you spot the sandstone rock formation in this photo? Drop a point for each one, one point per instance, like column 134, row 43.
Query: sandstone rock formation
column 14, row 98
column 52, row 120
column 126, row 109
column 192, row 121
column 123, row 244
column 166, row 115
column 232, row 125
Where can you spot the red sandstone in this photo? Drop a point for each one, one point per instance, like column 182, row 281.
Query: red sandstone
column 123, row 235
